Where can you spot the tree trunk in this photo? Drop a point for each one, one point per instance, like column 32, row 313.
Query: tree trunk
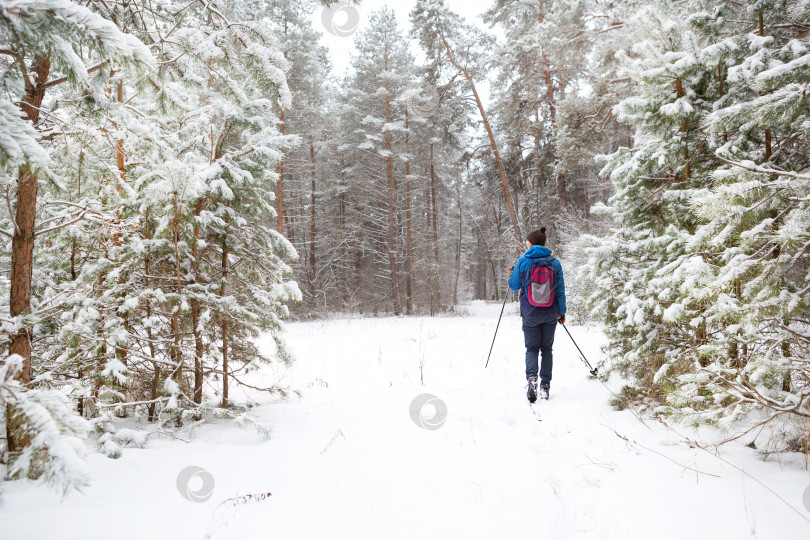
column 280, row 186
column 552, row 107
column 22, row 264
column 313, row 243
column 768, row 142
column 22, row 249
column 391, row 232
column 688, row 170
column 493, row 143
column 427, row 199
column 562, row 190
column 458, row 244
column 120, row 161
column 358, row 246
column 176, row 351
column 344, row 240
column 153, row 391
column 435, row 214
column 195, row 311
column 481, row 272
column 537, row 163
column 552, row 111
column 224, row 324
column 489, row 256
column 22, row 243
column 408, row 239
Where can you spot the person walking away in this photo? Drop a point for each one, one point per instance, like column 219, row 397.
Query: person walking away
column 539, row 278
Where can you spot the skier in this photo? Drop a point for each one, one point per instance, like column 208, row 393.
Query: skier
column 539, row 277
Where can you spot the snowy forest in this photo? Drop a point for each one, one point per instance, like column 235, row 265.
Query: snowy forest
column 182, row 176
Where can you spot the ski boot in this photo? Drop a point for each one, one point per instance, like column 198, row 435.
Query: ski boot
column 531, row 393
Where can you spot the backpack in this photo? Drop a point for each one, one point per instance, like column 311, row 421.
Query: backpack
column 540, row 291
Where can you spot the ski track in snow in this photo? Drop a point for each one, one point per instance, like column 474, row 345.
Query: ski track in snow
column 346, row 460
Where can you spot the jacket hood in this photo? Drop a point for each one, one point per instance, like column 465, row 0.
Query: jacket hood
column 536, row 252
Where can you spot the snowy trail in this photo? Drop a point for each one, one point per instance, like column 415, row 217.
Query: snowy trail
column 347, row 461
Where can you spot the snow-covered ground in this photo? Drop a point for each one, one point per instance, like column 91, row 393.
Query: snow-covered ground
column 346, row 460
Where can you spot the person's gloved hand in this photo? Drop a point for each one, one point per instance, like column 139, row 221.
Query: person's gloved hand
column 561, row 319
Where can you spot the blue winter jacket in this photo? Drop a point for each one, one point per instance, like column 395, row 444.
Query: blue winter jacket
column 519, row 280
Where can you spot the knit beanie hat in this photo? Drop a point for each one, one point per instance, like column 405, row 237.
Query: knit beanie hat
column 537, row 237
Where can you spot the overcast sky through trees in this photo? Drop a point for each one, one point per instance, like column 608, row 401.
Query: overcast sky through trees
column 341, row 48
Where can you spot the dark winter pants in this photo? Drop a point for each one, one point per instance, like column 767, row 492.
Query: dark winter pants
column 539, row 338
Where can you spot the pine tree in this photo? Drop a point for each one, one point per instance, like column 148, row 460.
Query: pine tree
column 704, row 284
column 633, row 269
column 43, row 45
column 754, row 219
column 553, row 92
column 303, row 173
column 158, row 270
column 197, row 205
column 382, row 72
column 443, row 32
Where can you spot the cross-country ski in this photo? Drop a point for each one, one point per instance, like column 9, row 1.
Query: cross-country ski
column 535, row 411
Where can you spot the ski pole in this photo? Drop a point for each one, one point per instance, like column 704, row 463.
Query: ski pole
column 505, row 296
column 594, row 371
